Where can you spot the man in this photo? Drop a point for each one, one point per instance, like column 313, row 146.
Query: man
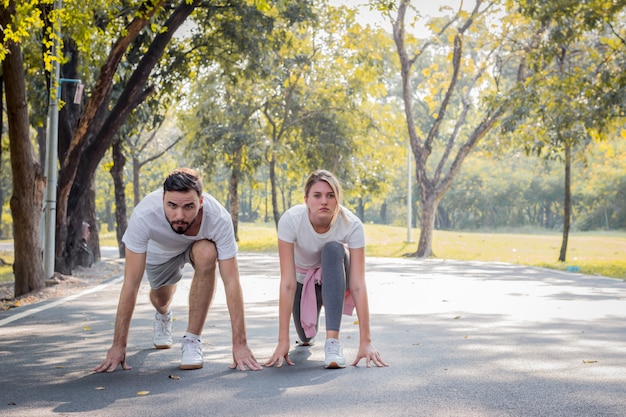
column 167, row 229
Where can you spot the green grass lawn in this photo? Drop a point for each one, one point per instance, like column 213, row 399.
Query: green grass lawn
column 596, row 253
column 601, row 253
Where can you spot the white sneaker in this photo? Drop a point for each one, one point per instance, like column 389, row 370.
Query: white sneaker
column 162, row 333
column 192, row 354
column 334, row 355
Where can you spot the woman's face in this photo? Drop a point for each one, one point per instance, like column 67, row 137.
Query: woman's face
column 321, row 201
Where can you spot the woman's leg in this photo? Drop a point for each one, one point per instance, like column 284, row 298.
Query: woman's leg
column 334, row 283
column 296, row 312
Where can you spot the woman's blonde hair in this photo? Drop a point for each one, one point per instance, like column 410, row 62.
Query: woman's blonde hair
column 332, row 181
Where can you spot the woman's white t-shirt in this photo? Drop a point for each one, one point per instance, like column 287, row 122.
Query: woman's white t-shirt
column 295, row 227
column 149, row 231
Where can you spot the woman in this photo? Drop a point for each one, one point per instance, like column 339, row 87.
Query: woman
column 321, row 247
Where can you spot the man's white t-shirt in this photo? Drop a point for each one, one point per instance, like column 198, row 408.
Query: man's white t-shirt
column 149, row 231
column 295, row 227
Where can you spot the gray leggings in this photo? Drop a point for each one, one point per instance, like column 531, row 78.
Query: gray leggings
column 335, row 280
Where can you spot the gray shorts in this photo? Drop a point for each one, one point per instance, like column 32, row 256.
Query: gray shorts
column 168, row 273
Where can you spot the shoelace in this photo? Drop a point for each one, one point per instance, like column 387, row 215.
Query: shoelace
column 162, row 327
column 333, row 348
column 189, row 344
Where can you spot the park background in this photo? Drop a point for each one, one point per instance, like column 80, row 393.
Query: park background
column 512, row 149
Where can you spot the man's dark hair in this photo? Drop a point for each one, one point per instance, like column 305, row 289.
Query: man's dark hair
column 183, row 179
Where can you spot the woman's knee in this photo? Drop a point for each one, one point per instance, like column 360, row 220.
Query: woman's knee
column 334, row 252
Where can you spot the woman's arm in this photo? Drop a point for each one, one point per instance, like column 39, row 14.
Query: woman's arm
column 358, row 290
column 285, row 302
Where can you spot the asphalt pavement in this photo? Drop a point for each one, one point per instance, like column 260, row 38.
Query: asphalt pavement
column 462, row 339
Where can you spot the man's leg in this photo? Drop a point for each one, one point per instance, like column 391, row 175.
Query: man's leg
column 161, row 298
column 204, row 261
column 203, row 257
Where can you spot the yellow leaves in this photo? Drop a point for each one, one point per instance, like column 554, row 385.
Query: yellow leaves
column 27, row 20
column 430, row 71
column 140, row 393
column 264, row 6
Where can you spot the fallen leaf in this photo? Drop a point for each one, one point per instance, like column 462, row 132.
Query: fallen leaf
column 176, row 377
column 86, row 328
column 143, row 393
column 356, row 322
column 416, row 344
column 59, row 366
column 457, row 317
column 588, row 361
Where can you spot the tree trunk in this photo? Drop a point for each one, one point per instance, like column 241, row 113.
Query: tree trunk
column 117, row 172
column 567, row 202
column 429, row 211
column 28, row 180
column 2, row 174
column 360, row 209
column 272, row 166
column 233, row 198
column 136, row 184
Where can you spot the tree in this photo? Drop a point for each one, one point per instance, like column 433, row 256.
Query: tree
column 457, row 102
column 575, row 86
column 222, row 130
column 28, row 178
column 101, row 120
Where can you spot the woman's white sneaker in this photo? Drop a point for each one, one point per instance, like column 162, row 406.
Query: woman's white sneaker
column 333, row 355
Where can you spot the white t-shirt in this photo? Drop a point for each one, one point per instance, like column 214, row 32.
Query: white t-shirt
column 149, row 231
column 295, row 227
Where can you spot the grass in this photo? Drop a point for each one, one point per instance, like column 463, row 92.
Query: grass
column 596, row 253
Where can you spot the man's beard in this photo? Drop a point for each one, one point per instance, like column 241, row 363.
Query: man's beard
column 180, row 228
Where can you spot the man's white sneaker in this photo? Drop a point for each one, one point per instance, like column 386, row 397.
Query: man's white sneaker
column 333, row 355
column 162, row 333
column 192, row 354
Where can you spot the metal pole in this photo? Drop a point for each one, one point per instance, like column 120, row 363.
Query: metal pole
column 51, row 158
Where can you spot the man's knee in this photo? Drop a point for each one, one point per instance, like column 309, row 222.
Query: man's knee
column 203, row 254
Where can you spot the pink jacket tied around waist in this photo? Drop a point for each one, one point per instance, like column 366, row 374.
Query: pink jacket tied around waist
column 308, row 301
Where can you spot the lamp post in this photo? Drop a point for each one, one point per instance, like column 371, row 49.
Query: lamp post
column 51, row 157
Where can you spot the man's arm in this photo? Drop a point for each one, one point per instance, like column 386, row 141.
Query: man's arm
column 135, row 265
column 242, row 355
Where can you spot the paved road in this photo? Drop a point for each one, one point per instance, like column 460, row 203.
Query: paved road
column 463, row 339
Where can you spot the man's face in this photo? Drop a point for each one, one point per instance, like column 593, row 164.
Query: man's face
column 181, row 209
